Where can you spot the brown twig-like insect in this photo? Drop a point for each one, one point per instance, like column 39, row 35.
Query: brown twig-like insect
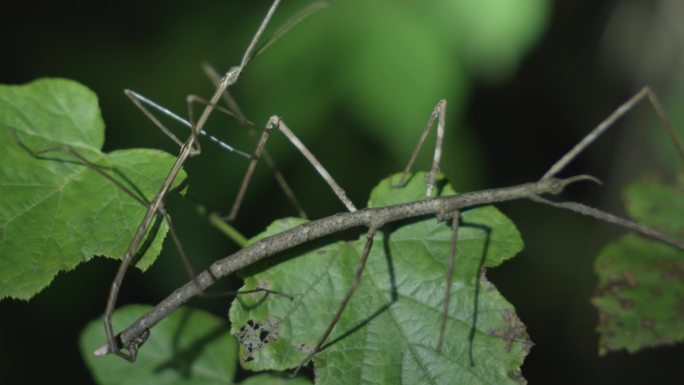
column 443, row 208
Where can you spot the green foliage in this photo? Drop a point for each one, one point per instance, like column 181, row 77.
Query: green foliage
column 55, row 211
column 188, row 347
column 389, row 332
column 640, row 296
column 385, row 64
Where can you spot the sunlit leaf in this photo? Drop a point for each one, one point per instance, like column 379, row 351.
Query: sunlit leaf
column 55, row 211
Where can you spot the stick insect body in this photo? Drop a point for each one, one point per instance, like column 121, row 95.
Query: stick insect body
column 444, row 208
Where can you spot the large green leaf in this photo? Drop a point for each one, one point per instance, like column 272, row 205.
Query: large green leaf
column 188, row 347
column 56, row 212
column 389, row 332
column 640, row 296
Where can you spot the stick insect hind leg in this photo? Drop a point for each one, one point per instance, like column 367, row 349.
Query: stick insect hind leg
column 251, row 128
column 275, row 123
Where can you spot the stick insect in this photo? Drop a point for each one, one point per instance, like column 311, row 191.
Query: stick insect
column 445, row 209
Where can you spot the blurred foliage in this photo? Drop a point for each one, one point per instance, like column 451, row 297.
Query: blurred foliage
column 640, row 295
column 384, row 65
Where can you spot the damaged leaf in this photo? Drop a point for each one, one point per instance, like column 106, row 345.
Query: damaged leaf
column 389, row 332
column 188, row 347
column 55, row 211
column 640, row 296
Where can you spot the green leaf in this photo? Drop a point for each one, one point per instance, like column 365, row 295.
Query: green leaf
column 640, row 296
column 270, row 379
column 389, row 332
column 655, row 204
column 188, row 347
column 56, row 212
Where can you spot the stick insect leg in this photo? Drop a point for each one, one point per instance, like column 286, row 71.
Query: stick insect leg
column 250, row 169
column 438, row 113
column 213, row 75
column 350, row 291
column 131, row 346
column 609, row 121
column 455, row 222
column 234, row 111
column 341, row 194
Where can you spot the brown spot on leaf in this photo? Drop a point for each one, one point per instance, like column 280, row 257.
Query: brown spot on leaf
column 626, row 304
column 514, row 331
column 302, row 347
column 630, row 278
column 671, row 270
column 648, row 323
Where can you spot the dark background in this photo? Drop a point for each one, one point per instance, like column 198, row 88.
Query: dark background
column 508, row 125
